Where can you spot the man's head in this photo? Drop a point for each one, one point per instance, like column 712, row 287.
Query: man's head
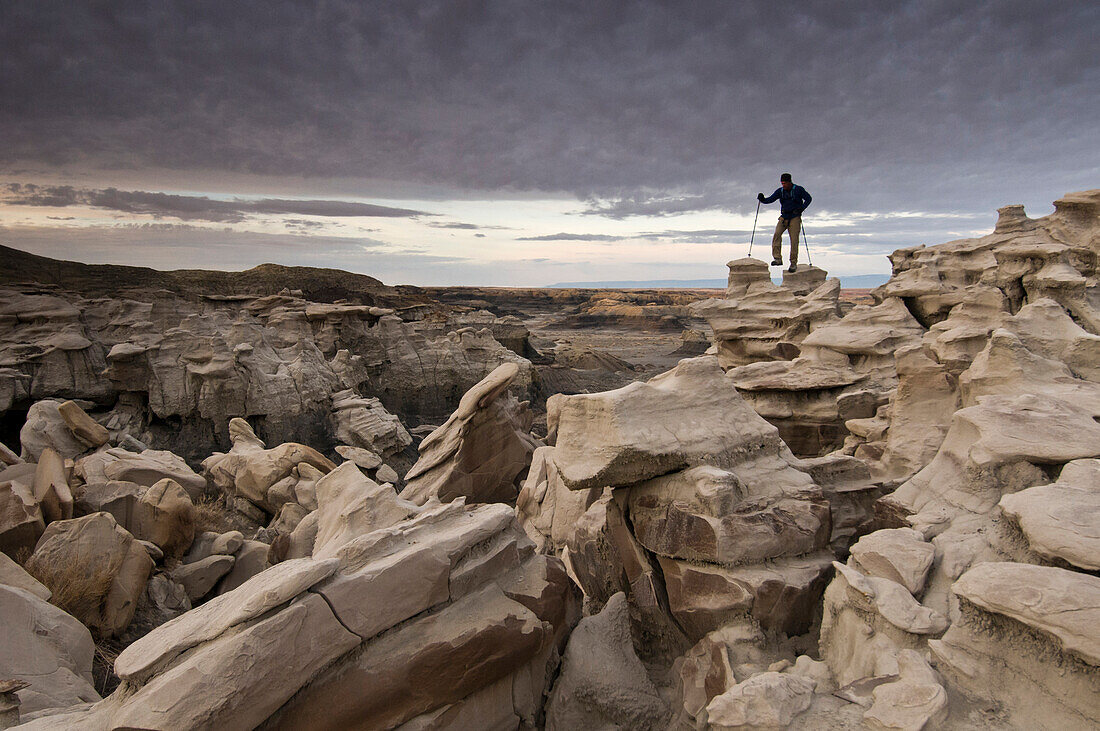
column 785, row 181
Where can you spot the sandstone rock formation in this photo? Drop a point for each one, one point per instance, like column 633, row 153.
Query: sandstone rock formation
column 251, row 471
column 482, row 452
column 709, row 520
column 602, row 683
column 180, row 366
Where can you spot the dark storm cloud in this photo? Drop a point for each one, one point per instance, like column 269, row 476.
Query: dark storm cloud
column 636, row 108
column 188, row 207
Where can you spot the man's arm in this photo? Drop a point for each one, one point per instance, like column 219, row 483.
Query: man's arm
column 806, row 199
column 771, row 197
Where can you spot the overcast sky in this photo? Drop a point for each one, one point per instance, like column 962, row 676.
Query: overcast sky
column 524, row 143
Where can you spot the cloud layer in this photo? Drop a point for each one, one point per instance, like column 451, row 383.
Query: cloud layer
column 188, row 207
column 641, row 108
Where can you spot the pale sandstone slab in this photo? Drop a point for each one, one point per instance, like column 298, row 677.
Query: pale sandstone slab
column 364, row 459
column 1063, row 604
column 1060, row 521
column 255, row 597
column 688, row 416
column 350, row 505
column 427, row 663
column 389, row 590
column 278, row 655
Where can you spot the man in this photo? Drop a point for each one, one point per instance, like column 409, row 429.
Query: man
column 793, row 199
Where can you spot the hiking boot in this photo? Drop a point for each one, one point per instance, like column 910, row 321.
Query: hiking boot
column 792, row 267
column 777, row 262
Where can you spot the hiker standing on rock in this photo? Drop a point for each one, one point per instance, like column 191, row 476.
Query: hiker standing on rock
column 793, row 199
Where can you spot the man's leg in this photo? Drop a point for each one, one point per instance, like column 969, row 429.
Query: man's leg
column 777, row 242
column 794, row 226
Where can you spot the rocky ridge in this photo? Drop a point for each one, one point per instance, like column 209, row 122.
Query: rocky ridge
column 911, row 544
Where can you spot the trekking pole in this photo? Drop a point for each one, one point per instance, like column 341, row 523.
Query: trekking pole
column 754, row 229
column 806, row 242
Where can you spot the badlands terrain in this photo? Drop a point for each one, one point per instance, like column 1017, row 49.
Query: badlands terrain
column 302, row 499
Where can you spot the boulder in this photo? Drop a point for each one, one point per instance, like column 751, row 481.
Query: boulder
column 51, row 486
column 249, row 560
column 146, row 469
column 481, row 452
column 165, row 516
column 364, row 459
column 21, row 521
column 767, row 700
column 84, row 428
column 94, row 568
column 12, row 574
column 8, row 457
column 47, row 649
column 364, row 423
column 602, row 683
column 386, row 474
column 199, row 578
column 914, row 701
column 46, row 428
column 898, row 554
column 707, row 669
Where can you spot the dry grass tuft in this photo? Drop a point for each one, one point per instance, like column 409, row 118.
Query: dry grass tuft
column 77, row 588
column 211, row 515
column 103, row 666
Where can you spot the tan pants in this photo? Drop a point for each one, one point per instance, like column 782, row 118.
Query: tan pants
column 792, row 226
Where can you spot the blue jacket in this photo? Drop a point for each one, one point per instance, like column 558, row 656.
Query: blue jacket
column 792, row 202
